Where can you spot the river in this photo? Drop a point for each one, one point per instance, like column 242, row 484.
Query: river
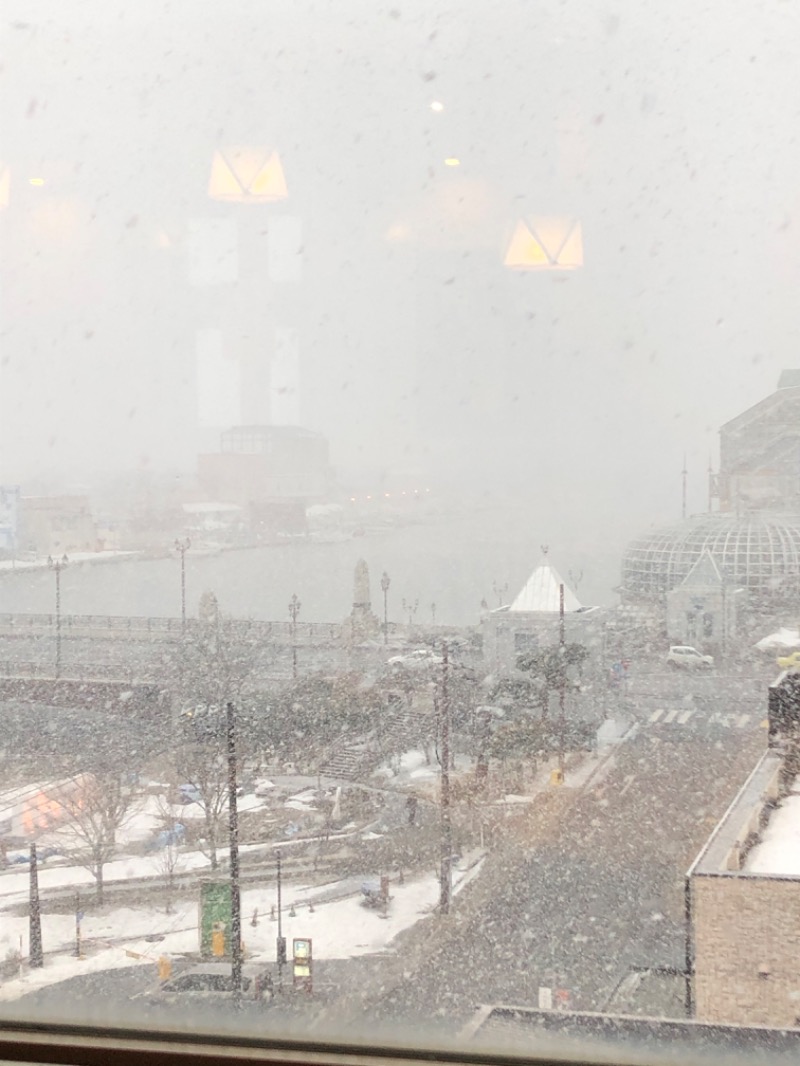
column 452, row 561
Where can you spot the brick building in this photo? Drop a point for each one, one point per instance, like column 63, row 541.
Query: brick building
column 53, row 525
column 743, row 904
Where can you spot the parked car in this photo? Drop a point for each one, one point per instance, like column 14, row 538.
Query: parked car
column 19, row 858
column 681, row 655
column 790, row 661
column 167, row 837
column 211, row 981
column 416, row 660
column 190, row 794
column 263, row 787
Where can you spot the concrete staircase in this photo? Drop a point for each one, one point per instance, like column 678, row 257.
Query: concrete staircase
column 402, row 729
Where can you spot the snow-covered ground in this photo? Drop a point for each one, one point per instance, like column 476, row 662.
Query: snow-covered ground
column 340, row 927
column 42, row 562
column 332, row 914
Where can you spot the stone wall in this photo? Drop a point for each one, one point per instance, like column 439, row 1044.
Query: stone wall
column 746, row 933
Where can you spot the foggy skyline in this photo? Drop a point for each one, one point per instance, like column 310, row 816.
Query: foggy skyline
column 416, row 348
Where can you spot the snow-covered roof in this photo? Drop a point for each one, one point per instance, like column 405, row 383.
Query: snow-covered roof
column 541, row 592
column 782, row 638
column 778, row 852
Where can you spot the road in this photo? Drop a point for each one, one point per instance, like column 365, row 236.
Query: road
column 582, row 900
column 588, row 888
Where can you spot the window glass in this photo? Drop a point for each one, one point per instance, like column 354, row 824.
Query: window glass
column 399, row 483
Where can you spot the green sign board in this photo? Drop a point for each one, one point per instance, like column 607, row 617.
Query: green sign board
column 215, row 919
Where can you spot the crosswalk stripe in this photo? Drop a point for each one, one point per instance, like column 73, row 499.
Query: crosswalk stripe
column 679, row 717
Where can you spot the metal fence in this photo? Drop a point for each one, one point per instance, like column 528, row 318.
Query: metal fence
column 99, row 625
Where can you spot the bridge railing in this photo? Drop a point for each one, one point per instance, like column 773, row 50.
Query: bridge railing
column 33, row 671
column 109, row 624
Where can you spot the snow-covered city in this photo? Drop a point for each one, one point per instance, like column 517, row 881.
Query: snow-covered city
column 399, row 532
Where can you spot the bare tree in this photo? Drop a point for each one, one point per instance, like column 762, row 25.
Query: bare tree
column 168, row 858
column 95, row 812
column 216, row 667
column 168, row 861
column 202, row 765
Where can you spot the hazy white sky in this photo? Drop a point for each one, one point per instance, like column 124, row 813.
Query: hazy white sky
column 670, row 131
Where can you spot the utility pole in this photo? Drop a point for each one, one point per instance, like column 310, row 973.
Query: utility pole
column 183, row 546
column 684, row 475
column 446, row 874
column 58, row 565
column 35, row 952
column 78, row 918
column 385, row 583
column 280, row 943
column 233, row 825
column 562, row 649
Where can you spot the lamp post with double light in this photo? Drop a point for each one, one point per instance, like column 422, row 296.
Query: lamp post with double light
column 411, row 609
column 58, row 565
column 183, row 546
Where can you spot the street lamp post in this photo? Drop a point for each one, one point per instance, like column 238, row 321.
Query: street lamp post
column 500, row 591
column 294, row 611
column 183, row 546
column 412, row 610
column 58, row 565
column 385, row 583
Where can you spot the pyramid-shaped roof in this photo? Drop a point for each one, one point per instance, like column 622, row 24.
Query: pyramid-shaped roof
column 541, row 592
column 704, row 574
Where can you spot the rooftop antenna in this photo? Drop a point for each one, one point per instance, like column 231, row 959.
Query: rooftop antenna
column 684, row 474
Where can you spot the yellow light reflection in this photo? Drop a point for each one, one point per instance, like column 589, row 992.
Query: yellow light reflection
column 452, row 161
column 36, row 181
column 437, row 105
column 398, row 232
column 545, row 243
column 247, row 176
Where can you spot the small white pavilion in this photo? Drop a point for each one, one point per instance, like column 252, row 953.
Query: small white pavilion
column 533, row 619
column 542, row 593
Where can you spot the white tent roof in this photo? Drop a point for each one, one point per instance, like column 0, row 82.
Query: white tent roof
column 541, row 592
column 784, row 638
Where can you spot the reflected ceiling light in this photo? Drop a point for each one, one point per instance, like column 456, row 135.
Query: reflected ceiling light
column 452, row 161
column 5, row 185
column 437, row 105
column 247, row 176
column 36, row 181
column 398, row 232
column 545, row 243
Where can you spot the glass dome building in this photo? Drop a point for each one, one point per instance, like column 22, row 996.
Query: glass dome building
column 757, row 552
